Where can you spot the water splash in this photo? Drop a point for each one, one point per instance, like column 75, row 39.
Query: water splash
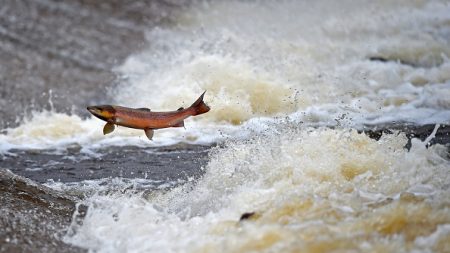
column 311, row 190
column 270, row 61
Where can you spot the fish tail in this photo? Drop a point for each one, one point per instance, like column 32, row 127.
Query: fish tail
column 199, row 106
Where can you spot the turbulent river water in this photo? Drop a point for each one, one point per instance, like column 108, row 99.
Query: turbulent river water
column 279, row 164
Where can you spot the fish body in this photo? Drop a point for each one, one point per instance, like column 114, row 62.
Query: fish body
column 144, row 118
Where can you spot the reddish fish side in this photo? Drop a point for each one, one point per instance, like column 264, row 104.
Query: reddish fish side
column 141, row 119
column 144, row 118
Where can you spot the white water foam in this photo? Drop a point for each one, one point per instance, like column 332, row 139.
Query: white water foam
column 262, row 61
column 312, row 190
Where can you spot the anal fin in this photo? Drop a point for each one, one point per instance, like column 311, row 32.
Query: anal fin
column 179, row 124
column 108, row 128
column 149, row 133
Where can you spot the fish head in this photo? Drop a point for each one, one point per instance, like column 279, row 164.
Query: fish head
column 103, row 112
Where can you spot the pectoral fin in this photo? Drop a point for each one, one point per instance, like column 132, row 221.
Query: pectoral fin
column 149, row 133
column 144, row 109
column 180, row 109
column 108, row 128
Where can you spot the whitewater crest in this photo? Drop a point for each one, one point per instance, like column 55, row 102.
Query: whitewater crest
column 311, row 190
column 311, row 62
column 377, row 69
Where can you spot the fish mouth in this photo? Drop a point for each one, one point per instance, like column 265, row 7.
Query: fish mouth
column 92, row 109
column 95, row 111
column 98, row 112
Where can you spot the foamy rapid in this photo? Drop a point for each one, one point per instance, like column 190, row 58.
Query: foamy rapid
column 271, row 71
column 266, row 59
column 321, row 62
column 312, row 190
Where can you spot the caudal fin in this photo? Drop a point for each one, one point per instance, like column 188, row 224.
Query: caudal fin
column 199, row 106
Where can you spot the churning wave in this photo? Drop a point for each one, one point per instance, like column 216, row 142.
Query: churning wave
column 261, row 62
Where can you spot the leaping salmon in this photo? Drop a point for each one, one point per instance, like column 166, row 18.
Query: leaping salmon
column 144, row 118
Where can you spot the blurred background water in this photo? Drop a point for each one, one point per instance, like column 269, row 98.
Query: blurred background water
column 291, row 84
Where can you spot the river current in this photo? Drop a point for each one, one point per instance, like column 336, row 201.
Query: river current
column 290, row 83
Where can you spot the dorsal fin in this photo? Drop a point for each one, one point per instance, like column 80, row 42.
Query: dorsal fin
column 181, row 108
column 144, row 109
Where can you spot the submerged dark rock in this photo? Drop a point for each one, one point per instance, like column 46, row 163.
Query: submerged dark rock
column 411, row 131
column 386, row 59
column 246, row 216
column 414, row 63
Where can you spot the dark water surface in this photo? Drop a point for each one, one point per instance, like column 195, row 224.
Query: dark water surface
column 33, row 217
column 165, row 164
